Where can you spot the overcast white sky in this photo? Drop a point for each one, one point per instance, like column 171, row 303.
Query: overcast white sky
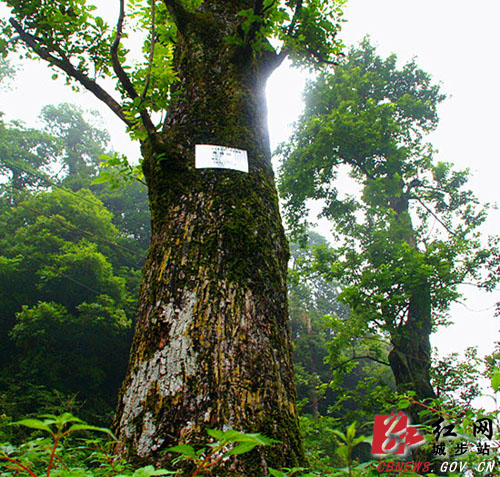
column 454, row 40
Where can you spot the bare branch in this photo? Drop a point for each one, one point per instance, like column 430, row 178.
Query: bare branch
column 122, row 75
column 436, row 217
column 65, row 65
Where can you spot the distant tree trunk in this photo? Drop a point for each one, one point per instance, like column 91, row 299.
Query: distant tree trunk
column 212, row 342
column 410, row 358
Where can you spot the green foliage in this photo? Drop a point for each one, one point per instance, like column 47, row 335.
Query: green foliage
column 70, row 352
column 118, row 172
column 310, row 298
column 60, row 453
column 69, row 26
column 25, row 154
column 7, row 73
column 69, row 268
column 64, row 450
column 457, row 380
column 57, row 428
column 332, row 392
column 64, row 298
column 347, row 442
column 307, row 30
column 226, row 444
column 320, row 442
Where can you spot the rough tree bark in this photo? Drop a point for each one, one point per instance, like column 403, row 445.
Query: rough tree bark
column 410, row 358
column 212, row 342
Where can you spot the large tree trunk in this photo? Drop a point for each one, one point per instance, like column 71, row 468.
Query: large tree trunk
column 212, row 342
column 410, row 359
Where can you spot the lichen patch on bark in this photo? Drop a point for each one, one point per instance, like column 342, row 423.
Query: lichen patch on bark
column 163, row 375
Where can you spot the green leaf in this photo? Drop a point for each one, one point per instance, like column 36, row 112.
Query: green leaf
column 216, row 434
column 241, row 448
column 233, row 436
column 404, row 403
column 360, row 440
column 351, row 431
column 150, row 470
column 86, row 427
column 340, row 435
column 33, row 424
column 64, row 418
column 495, row 380
column 183, row 449
column 103, row 177
column 276, row 473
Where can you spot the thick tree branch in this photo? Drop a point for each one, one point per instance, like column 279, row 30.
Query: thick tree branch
column 290, row 32
column 65, row 65
column 412, row 185
column 179, row 14
column 296, row 14
column 259, row 7
column 361, row 167
column 122, row 75
column 285, row 50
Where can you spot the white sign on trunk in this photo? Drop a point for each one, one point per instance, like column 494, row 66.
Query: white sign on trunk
column 208, row 156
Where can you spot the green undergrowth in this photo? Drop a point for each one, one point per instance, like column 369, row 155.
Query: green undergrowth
column 64, row 445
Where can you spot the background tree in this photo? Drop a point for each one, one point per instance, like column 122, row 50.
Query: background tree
column 23, row 148
column 65, row 153
column 212, row 344
column 332, row 393
column 69, row 275
column 82, row 142
column 409, row 237
column 311, row 298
